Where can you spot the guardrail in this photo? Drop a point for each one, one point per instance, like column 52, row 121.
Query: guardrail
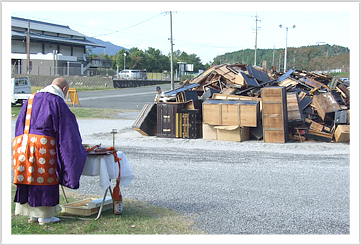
column 137, row 83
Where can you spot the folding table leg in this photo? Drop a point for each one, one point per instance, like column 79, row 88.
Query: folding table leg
column 62, row 188
column 102, row 205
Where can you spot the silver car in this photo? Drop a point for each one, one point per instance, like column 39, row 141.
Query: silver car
column 129, row 74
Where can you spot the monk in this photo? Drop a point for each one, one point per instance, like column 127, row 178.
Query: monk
column 38, row 197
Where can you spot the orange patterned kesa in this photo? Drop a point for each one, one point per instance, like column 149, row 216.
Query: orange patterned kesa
column 34, row 156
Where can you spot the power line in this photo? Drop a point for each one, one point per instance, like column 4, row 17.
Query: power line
column 129, row 26
column 112, row 31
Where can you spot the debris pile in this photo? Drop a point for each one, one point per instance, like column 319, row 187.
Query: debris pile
column 239, row 102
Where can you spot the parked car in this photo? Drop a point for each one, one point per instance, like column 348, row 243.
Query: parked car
column 20, row 90
column 345, row 80
column 129, row 74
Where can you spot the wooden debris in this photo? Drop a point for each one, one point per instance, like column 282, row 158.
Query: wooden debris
column 319, row 136
column 293, row 109
column 342, row 133
column 310, row 106
column 274, row 115
column 231, row 112
column 326, row 105
column 146, row 122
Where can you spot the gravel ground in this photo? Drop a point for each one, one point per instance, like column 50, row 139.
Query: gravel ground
column 233, row 187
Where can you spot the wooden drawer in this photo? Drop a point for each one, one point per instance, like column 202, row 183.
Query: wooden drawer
column 326, row 105
column 231, row 112
column 168, row 119
column 191, row 125
column 274, row 114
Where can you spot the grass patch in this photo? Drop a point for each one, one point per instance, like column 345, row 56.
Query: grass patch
column 341, row 74
column 15, row 110
column 80, row 112
column 137, row 218
column 95, row 113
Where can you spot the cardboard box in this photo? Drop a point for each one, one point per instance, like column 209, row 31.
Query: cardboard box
column 209, row 132
column 342, row 133
column 232, row 133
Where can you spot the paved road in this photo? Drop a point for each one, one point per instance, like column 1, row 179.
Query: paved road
column 120, row 98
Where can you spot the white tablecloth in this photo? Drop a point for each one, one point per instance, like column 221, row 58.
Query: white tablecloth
column 107, row 169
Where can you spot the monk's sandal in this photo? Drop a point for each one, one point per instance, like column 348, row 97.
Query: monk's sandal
column 44, row 221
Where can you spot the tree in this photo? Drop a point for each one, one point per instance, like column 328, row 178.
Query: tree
column 306, row 58
column 180, row 56
column 136, row 59
column 119, row 59
column 156, row 61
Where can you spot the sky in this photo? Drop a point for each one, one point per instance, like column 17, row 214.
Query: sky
column 206, row 29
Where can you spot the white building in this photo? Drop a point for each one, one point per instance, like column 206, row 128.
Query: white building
column 54, row 49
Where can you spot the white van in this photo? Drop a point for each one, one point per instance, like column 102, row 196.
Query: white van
column 20, row 90
column 129, row 74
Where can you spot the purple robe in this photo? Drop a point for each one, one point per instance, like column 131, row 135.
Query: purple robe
column 51, row 116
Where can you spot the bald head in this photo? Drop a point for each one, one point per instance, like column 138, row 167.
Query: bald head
column 61, row 83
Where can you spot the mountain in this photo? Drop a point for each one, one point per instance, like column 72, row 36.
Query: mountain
column 110, row 48
column 314, row 57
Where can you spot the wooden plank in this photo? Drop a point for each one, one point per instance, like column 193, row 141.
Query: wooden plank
column 319, row 136
column 233, row 97
column 146, row 121
column 240, row 80
column 228, row 91
column 301, row 95
column 317, row 126
column 288, row 83
column 312, row 82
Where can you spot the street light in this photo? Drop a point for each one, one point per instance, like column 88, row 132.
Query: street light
column 125, row 54
column 285, row 66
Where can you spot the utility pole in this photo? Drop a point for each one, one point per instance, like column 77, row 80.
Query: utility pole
column 255, row 46
column 279, row 63
column 28, row 49
column 125, row 54
column 171, row 53
column 285, row 66
column 273, row 61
